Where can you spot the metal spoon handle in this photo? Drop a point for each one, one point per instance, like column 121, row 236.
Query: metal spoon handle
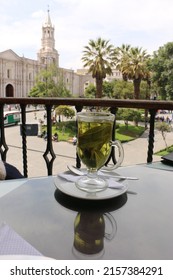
column 106, row 174
column 124, row 177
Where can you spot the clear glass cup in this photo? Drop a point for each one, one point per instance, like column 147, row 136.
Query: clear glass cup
column 94, row 146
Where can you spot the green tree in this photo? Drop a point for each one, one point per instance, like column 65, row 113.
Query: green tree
column 133, row 64
column 99, row 56
column 118, row 89
column 163, row 128
column 114, row 89
column 90, row 91
column 108, row 88
column 162, row 67
column 129, row 115
column 122, row 59
column 122, row 89
column 50, row 83
column 65, row 111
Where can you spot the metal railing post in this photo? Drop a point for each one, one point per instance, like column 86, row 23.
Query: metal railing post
column 78, row 161
column 24, row 142
column 151, row 135
column 3, row 146
column 49, row 148
column 112, row 154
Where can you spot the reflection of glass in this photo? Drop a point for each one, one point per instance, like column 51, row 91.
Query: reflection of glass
column 91, row 214
column 94, row 147
column 89, row 234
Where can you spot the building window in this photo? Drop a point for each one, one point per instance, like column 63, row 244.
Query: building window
column 86, row 85
column 8, row 73
column 30, row 76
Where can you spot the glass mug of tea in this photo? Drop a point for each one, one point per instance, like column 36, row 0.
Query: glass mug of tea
column 94, row 147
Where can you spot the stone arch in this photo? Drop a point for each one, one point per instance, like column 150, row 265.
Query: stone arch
column 9, row 91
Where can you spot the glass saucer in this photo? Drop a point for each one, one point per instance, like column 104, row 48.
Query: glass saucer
column 69, row 188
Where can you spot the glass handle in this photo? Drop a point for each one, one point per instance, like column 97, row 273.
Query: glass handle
column 113, row 223
column 116, row 144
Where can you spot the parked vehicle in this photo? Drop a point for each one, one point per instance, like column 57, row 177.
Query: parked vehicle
column 163, row 112
column 11, row 118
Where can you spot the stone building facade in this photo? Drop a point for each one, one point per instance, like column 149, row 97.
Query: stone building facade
column 17, row 74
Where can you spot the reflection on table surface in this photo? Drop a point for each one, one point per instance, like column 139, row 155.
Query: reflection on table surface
column 93, row 223
column 125, row 227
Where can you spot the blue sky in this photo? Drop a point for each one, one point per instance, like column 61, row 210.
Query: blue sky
column 143, row 23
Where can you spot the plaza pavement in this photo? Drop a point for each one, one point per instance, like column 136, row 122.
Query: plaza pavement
column 135, row 152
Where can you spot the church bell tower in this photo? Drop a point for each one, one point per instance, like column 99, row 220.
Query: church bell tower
column 48, row 54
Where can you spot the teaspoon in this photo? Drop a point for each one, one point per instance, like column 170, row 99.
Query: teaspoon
column 76, row 171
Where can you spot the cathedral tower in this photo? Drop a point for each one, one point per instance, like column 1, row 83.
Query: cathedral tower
column 48, row 54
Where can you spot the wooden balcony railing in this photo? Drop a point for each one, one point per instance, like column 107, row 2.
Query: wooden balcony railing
column 151, row 105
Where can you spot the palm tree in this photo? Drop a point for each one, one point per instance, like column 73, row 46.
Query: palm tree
column 132, row 62
column 99, row 56
column 122, row 59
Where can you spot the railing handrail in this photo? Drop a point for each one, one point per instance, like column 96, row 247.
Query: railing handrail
column 121, row 103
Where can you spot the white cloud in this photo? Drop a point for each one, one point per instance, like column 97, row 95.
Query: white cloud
column 38, row 14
